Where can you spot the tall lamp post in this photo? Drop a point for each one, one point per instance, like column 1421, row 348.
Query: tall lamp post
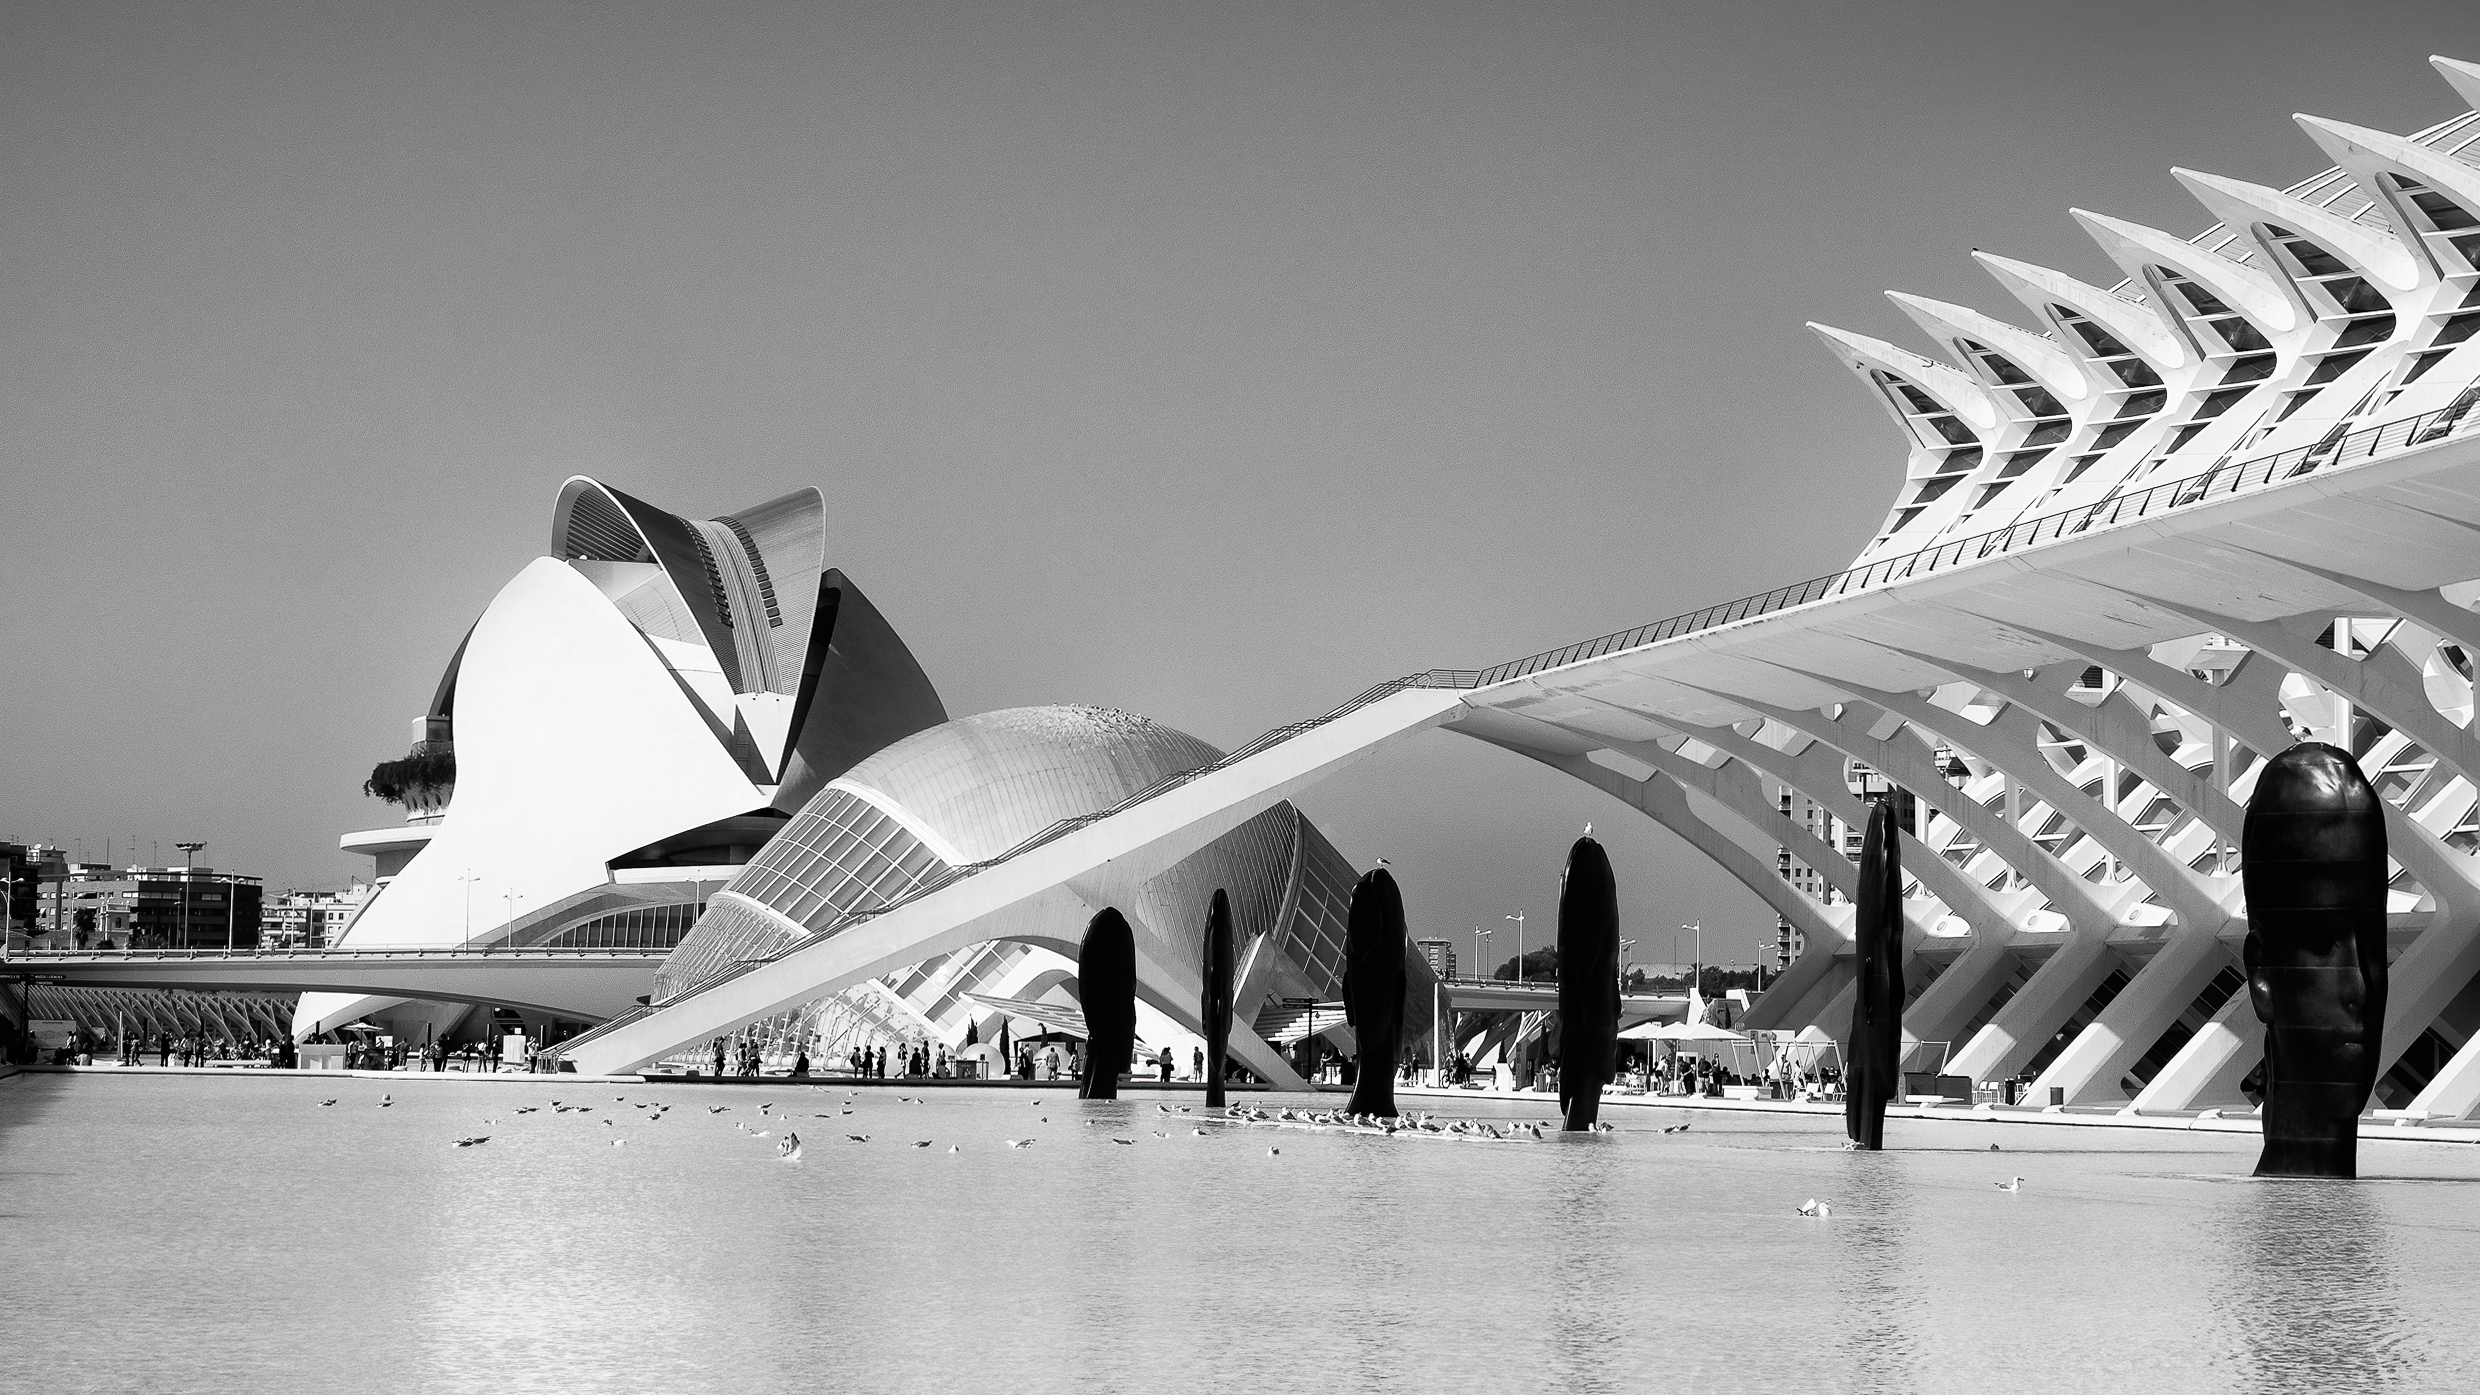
column 1521, row 975
column 189, row 854
column 1696, row 980
column 1481, row 948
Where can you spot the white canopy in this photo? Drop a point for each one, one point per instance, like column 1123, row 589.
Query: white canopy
column 1681, row 1031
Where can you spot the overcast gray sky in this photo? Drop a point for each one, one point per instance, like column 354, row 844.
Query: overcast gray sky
column 1209, row 361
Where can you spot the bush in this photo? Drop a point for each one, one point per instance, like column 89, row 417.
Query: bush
column 423, row 773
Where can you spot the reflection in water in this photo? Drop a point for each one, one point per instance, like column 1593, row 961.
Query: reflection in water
column 1880, row 1301
column 180, row 1234
column 2309, row 1284
column 1588, row 1318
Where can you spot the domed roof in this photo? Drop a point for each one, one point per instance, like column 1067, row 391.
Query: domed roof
column 987, row 783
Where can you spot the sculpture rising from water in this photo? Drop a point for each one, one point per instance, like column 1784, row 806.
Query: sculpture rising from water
column 1873, row 1058
column 1373, row 989
column 1215, row 1007
column 1106, row 986
column 1588, row 983
column 2312, row 859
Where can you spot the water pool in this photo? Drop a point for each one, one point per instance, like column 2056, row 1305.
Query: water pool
column 183, row 1233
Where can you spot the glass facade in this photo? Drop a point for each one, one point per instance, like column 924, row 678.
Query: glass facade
column 840, row 855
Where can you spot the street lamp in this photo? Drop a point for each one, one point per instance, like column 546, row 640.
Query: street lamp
column 1518, row 918
column 1624, row 947
column 1696, row 983
column 1481, row 949
column 189, row 854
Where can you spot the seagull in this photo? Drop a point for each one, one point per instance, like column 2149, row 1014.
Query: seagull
column 1994, row 1148
column 619, row 1143
column 1816, row 1208
column 1588, row 828
column 470, row 1142
column 1199, row 1132
column 387, row 1101
column 1158, row 1133
column 609, row 1124
column 924, row 1143
column 790, row 1149
column 954, row 1149
column 325, row 1103
column 1125, row 1142
column 1162, row 1109
column 1274, row 1152
column 1020, row 1143
column 711, row 1109
column 858, row 1137
column 763, row 1133
column 1680, row 1127
column 2011, row 1184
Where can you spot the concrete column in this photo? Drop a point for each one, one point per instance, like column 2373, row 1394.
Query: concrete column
column 2207, row 1070
column 2021, row 1028
column 2090, row 1068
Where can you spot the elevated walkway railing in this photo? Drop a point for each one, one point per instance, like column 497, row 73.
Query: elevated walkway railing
column 36, row 956
column 2220, row 482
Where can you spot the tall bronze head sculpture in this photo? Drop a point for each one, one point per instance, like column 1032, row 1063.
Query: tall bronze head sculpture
column 2313, row 862
column 1215, row 1009
column 1106, row 985
column 1373, row 989
column 1588, row 983
column 1873, row 1057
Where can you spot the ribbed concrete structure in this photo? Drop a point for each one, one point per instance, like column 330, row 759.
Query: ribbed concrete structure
column 2142, row 543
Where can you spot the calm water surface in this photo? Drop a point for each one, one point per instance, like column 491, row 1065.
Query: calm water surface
column 195, row 1234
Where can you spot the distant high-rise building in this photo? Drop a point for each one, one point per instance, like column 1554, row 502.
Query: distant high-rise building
column 1440, row 954
column 310, row 919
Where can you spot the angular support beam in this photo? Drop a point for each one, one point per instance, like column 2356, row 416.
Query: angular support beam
column 2012, row 1038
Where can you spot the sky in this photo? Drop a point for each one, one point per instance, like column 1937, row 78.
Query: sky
column 1213, row 362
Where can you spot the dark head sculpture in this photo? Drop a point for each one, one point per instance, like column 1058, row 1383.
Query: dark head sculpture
column 1215, row 1009
column 2312, row 858
column 1873, row 1058
column 1106, row 985
column 1373, row 989
column 1588, row 983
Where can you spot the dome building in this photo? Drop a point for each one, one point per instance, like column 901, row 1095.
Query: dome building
column 970, row 790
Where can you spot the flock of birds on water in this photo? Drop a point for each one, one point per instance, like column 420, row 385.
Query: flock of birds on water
column 789, row 1147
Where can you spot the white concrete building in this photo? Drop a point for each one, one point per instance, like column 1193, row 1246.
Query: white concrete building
column 2145, row 538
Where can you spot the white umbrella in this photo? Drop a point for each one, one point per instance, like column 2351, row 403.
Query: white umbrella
column 1697, row 1031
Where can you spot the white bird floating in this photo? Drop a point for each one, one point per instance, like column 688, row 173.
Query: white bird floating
column 1814, row 1207
column 2011, row 1184
column 1274, row 1152
column 1020, row 1143
column 790, row 1149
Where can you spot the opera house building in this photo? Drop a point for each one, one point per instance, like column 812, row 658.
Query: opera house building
column 675, row 722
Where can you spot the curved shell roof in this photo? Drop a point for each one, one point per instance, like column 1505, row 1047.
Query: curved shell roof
column 986, row 783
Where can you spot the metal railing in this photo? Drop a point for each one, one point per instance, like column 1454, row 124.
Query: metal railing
column 2219, row 482
column 39, row 954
